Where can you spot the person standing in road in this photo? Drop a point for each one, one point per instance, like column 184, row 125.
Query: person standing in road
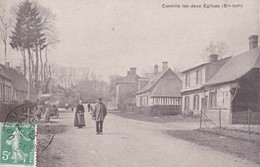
column 99, row 115
column 47, row 112
column 89, row 106
column 79, row 120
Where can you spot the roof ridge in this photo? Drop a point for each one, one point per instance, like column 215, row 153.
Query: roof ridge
column 155, row 81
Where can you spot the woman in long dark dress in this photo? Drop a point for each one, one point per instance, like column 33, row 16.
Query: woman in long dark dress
column 79, row 120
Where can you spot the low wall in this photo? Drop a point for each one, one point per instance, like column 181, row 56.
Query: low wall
column 4, row 110
column 242, row 117
column 19, row 108
column 232, row 118
column 158, row 110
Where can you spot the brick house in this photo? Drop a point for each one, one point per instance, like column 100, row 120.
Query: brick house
column 126, row 89
column 162, row 90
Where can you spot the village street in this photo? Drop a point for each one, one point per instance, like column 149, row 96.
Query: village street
column 129, row 143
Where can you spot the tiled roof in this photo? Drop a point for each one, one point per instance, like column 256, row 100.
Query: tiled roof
column 213, row 67
column 168, row 86
column 236, row 67
column 152, row 81
column 18, row 80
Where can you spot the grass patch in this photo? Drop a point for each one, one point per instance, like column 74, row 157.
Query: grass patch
column 245, row 149
column 155, row 119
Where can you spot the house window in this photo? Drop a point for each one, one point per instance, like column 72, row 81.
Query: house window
column 187, row 103
column 212, row 99
column 178, row 101
column 7, row 93
column 196, row 102
column 197, row 77
column 187, row 80
column 225, row 100
column 141, row 101
column 1, row 91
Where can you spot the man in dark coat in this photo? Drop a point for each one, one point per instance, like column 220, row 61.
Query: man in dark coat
column 99, row 115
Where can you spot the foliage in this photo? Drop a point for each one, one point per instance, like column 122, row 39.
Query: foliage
column 216, row 47
column 33, row 32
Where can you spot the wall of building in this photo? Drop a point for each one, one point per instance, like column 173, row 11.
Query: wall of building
column 191, row 101
column 125, row 92
column 192, row 75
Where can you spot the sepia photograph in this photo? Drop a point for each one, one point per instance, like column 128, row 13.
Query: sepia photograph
column 112, row 83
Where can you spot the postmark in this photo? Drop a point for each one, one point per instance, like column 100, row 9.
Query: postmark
column 18, row 144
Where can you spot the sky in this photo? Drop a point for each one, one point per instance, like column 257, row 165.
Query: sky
column 110, row 36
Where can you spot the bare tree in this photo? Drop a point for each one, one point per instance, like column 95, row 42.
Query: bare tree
column 5, row 23
column 216, row 47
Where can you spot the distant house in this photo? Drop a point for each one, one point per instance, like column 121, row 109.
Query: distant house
column 231, row 85
column 126, row 89
column 13, row 85
column 162, row 90
column 193, row 97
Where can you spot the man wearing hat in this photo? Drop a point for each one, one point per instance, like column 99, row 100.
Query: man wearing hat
column 99, row 115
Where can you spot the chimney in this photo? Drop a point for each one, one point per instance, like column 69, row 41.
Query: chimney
column 133, row 70
column 253, row 41
column 164, row 66
column 7, row 65
column 213, row 57
column 18, row 69
column 155, row 69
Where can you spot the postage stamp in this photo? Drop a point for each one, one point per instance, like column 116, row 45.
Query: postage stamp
column 18, row 144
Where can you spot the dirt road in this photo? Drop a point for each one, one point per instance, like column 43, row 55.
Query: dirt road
column 130, row 143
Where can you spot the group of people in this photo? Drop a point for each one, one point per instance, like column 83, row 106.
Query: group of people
column 99, row 114
column 39, row 109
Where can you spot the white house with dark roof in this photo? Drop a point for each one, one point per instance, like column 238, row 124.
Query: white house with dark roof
column 231, row 85
column 193, row 92
column 162, row 90
column 235, row 88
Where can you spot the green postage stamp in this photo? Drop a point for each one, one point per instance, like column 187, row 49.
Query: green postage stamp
column 18, row 144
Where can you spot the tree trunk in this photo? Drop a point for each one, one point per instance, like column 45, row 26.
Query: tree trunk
column 30, row 73
column 45, row 65
column 5, row 51
column 36, row 72
column 41, row 70
column 48, row 81
column 32, row 70
column 24, row 63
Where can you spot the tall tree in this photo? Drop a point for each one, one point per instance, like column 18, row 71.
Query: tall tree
column 27, row 36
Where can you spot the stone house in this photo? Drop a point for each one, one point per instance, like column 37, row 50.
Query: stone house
column 126, row 89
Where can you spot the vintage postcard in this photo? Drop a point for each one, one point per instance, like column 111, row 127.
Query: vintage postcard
column 113, row 83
